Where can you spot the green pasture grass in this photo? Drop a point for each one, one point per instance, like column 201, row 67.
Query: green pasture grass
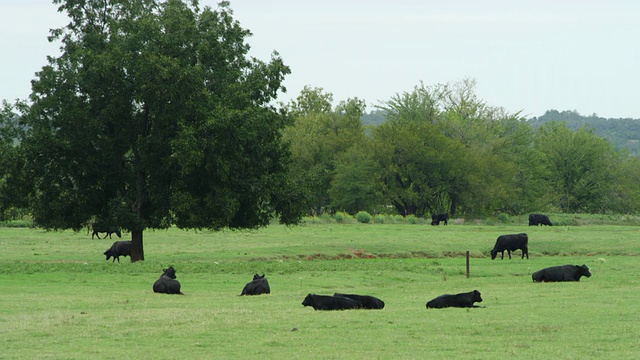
column 60, row 299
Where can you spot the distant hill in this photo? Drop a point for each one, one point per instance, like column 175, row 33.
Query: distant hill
column 375, row 117
column 621, row 133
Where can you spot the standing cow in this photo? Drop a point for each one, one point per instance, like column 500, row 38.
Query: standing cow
column 511, row 243
column 98, row 228
column 117, row 249
column 259, row 285
column 462, row 300
column 167, row 283
column 436, row 218
column 561, row 273
column 539, row 219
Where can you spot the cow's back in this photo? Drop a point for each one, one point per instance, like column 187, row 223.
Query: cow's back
column 166, row 285
column 365, row 301
column 327, row 302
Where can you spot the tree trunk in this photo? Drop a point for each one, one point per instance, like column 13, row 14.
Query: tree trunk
column 137, row 251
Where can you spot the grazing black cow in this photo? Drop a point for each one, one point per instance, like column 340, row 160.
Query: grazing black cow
column 167, row 283
column 258, row 286
column 98, row 228
column 365, row 301
column 436, row 218
column 462, row 300
column 117, row 249
column 511, row 243
column 327, row 302
column 539, row 219
column 561, row 273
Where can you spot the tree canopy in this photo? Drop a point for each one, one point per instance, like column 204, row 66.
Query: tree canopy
column 442, row 149
column 155, row 115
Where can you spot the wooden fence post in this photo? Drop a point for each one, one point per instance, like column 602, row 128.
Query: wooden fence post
column 467, row 264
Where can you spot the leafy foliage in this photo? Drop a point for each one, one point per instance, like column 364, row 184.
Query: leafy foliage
column 623, row 134
column 442, row 149
column 318, row 138
column 155, row 115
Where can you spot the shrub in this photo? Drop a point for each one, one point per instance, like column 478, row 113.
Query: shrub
column 503, row 218
column 363, row 217
column 379, row 219
column 343, row 217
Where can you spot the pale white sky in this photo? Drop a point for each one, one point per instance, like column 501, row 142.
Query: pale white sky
column 526, row 55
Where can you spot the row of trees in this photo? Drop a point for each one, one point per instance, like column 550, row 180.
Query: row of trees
column 154, row 115
column 441, row 149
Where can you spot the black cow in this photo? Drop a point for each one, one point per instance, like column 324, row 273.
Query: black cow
column 167, row 283
column 98, row 228
column 561, row 273
column 117, row 249
column 511, row 243
column 258, row 286
column 436, row 218
column 365, row 301
column 462, row 300
column 539, row 219
column 327, row 302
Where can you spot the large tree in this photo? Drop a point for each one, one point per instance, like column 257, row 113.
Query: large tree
column 13, row 197
column 320, row 134
column 580, row 167
column 155, row 115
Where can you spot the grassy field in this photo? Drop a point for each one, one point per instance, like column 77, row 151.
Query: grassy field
column 60, row 299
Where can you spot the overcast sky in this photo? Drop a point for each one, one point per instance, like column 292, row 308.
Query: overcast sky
column 525, row 55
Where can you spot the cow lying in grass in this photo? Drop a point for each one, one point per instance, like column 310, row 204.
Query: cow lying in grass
column 328, row 302
column 117, row 249
column 462, row 300
column 561, row 273
column 365, row 301
column 259, row 285
column 167, row 283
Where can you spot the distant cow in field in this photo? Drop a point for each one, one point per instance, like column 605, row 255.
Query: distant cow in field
column 117, row 249
column 436, row 218
column 167, row 283
column 561, row 273
column 462, row 300
column 258, row 286
column 539, row 219
column 511, row 243
column 98, row 228
column 327, row 302
column 365, row 301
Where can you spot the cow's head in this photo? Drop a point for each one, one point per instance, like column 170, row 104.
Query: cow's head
column 258, row 277
column 308, row 301
column 494, row 253
column 109, row 254
column 584, row 270
column 170, row 272
column 476, row 296
column 118, row 232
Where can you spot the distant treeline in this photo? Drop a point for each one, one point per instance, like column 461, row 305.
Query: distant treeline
column 623, row 134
